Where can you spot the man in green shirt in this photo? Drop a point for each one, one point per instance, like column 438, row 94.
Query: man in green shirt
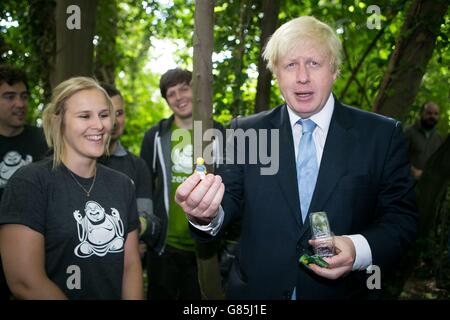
column 172, row 266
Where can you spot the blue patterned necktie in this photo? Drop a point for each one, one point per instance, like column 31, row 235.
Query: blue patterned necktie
column 307, row 168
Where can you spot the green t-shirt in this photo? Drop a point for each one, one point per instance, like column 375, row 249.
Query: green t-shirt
column 181, row 167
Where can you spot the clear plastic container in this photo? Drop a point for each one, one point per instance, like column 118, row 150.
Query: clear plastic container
column 321, row 232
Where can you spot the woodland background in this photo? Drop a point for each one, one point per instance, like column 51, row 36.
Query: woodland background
column 392, row 69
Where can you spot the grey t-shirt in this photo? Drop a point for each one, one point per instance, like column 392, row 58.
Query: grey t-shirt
column 84, row 236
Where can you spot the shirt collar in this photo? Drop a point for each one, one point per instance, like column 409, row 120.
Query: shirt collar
column 322, row 118
column 120, row 150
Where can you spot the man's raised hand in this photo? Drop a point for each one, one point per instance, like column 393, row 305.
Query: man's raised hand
column 200, row 199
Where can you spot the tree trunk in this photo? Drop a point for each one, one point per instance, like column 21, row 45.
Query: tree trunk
column 408, row 62
column 202, row 74
column 3, row 49
column 271, row 8
column 106, row 30
column 74, row 47
column 207, row 260
column 244, row 15
column 41, row 22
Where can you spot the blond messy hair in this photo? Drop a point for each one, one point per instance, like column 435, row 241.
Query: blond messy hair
column 298, row 32
column 53, row 115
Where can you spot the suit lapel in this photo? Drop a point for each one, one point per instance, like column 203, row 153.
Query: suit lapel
column 287, row 173
column 334, row 162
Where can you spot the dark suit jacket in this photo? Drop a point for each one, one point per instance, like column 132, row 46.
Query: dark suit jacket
column 363, row 184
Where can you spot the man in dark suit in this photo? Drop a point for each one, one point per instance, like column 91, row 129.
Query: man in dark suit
column 350, row 163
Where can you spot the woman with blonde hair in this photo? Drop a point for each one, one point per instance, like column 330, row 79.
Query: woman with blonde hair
column 68, row 226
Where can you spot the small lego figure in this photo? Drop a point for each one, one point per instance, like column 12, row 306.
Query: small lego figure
column 200, row 167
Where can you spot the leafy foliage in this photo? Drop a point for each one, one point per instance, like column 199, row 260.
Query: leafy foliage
column 137, row 27
column 136, row 82
column 129, row 33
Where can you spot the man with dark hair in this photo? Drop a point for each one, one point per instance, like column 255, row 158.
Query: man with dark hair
column 172, row 78
column 172, row 268
column 112, row 92
column 20, row 144
column 135, row 168
column 422, row 138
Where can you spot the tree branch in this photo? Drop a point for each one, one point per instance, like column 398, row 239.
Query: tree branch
column 361, row 60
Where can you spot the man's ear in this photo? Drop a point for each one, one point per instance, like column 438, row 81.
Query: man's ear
column 335, row 74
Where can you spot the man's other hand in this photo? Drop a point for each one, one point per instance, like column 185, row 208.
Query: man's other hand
column 340, row 264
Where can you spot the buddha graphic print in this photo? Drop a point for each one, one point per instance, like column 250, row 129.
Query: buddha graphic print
column 99, row 232
column 11, row 162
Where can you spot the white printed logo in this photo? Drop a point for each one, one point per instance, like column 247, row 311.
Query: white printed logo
column 98, row 231
column 11, row 162
column 182, row 159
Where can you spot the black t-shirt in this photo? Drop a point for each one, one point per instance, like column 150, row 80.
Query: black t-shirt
column 15, row 152
column 133, row 167
column 84, row 236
